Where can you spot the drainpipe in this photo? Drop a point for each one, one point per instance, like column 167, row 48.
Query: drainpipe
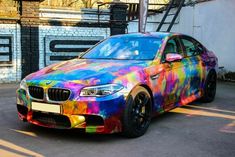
column 143, row 12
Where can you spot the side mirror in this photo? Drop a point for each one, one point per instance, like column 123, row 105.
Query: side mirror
column 172, row 57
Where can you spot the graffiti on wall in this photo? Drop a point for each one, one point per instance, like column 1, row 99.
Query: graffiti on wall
column 59, row 48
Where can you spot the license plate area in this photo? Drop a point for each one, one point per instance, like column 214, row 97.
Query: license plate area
column 44, row 107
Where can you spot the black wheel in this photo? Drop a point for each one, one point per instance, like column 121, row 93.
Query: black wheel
column 210, row 88
column 137, row 114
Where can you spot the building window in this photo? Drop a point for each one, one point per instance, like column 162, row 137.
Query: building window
column 5, row 50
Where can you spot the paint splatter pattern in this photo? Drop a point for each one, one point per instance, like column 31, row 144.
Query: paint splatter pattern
column 176, row 84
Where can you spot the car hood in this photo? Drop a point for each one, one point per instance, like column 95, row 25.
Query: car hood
column 88, row 71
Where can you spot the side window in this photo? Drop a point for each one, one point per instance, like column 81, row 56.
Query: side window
column 192, row 47
column 189, row 47
column 172, row 46
column 199, row 48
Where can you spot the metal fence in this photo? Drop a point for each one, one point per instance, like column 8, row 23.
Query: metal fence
column 9, row 9
column 153, row 7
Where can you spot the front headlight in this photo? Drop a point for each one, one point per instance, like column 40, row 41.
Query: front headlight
column 102, row 90
column 23, row 84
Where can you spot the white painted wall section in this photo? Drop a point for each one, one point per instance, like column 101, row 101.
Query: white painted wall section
column 11, row 72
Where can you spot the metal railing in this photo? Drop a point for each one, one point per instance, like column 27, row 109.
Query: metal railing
column 177, row 4
column 133, row 9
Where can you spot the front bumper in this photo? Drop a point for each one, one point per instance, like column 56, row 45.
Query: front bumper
column 92, row 115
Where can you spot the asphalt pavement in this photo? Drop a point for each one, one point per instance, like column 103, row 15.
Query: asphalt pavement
column 196, row 130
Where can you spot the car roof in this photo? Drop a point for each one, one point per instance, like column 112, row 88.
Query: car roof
column 147, row 34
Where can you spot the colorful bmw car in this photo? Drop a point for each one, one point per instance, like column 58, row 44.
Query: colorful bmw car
column 120, row 84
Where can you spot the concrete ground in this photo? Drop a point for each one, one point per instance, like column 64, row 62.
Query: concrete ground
column 196, row 130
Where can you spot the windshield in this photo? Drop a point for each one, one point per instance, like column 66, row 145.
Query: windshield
column 125, row 48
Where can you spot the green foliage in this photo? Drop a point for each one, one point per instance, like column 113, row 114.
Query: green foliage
column 9, row 8
column 73, row 4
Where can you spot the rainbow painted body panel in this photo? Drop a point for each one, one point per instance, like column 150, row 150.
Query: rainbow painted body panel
column 175, row 84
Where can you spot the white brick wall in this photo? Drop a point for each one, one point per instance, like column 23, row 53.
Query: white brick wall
column 67, row 31
column 85, row 14
column 11, row 72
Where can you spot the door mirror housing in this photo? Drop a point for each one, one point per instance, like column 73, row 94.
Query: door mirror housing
column 172, row 57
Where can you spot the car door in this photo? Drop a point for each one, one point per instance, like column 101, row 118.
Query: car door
column 193, row 51
column 176, row 74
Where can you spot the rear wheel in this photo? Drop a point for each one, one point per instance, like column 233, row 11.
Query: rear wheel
column 137, row 114
column 210, row 88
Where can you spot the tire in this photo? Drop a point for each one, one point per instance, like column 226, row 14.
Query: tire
column 137, row 114
column 209, row 90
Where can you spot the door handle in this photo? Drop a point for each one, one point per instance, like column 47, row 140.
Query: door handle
column 153, row 77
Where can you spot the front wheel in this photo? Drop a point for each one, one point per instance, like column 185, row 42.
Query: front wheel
column 137, row 114
column 210, row 88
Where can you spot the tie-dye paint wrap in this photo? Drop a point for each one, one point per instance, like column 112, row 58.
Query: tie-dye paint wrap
column 176, row 84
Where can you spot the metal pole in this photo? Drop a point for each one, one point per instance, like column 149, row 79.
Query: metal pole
column 143, row 13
